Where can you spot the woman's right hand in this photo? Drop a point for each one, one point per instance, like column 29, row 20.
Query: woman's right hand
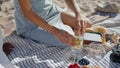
column 65, row 37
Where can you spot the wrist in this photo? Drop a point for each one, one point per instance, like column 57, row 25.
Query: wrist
column 78, row 16
column 77, row 13
column 52, row 30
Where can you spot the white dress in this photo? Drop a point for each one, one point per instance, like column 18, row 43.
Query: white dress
column 47, row 11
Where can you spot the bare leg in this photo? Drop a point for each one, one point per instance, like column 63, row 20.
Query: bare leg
column 70, row 20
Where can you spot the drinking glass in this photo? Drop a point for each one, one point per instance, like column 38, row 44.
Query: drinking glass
column 96, row 51
column 75, row 52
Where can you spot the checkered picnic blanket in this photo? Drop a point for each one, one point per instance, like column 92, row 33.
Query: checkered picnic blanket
column 30, row 54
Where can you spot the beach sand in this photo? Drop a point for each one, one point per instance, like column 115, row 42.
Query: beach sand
column 7, row 22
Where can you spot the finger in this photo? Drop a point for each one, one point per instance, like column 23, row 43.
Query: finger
column 88, row 23
column 77, row 25
column 66, row 41
column 65, row 38
column 82, row 24
column 84, row 27
column 77, row 30
column 70, row 38
column 85, row 23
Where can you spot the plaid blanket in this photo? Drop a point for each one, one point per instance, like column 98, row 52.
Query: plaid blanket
column 30, row 54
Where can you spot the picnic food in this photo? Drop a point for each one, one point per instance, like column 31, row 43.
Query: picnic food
column 88, row 30
column 79, row 42
column 97, row 30
column 104, row 40
column 71, row 66
column 109, row 37
column 75, row 65
column 84, row 63
column 86, row 66
column 115, row 37
column 100, row 29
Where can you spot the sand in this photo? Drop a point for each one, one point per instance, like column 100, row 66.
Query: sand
column 7, row 22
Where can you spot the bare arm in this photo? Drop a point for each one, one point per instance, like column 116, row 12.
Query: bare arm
column 33, row 17
column 63, row 36
column 73, row 6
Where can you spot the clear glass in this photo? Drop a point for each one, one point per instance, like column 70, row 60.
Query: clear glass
column 96, row 51
column 76, row 51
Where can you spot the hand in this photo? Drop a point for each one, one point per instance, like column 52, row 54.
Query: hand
column 65, row 37
column 80, row 25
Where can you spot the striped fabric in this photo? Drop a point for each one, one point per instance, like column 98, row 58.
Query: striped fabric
column 29, row 54
column 110, row 25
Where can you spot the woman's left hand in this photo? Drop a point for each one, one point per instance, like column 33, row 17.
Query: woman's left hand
column 79, row 29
